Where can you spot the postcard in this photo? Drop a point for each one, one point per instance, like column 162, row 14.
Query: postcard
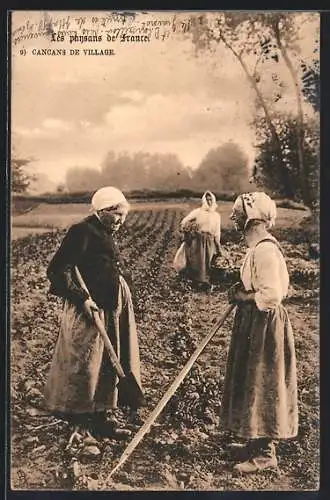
column 164, row 270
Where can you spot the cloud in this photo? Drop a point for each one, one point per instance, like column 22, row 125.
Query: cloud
column 184, row 124
column 57, row 125
column 132, row 95
column 50, row 127
column 173, row 117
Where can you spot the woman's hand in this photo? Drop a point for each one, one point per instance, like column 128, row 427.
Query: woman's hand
column 181, row 235
column 236, row 294
column 243, row 296
column 233, row 291
column 90, row 307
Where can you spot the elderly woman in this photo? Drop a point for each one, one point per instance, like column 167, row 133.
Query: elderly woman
column 259, row 401
column 201, row 229
column 81, row 385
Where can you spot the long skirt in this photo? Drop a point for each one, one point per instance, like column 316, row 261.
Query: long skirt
column 200, row 249
column 260, row 389
column 81, row 377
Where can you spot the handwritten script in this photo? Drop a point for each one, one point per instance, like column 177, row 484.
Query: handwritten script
column 103, row 27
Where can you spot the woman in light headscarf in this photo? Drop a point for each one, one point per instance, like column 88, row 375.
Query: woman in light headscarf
column 81, row 385
column 201, row 229
column 259, row 403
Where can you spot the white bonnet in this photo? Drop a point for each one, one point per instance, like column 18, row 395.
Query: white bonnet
column 256, row 205
column 107, row 197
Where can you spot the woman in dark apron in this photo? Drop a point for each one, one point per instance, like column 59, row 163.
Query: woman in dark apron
column 82, row 384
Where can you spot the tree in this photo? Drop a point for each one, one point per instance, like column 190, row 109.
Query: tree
column 249, row 41
column 167, row 173
column 82, row 179
column 224, row 168
column 20, row 178
column 255, row 39
column 139, row 170
column 143, row 170
column 284, row 31
column 61, row 188
column 311, row 83
column 266, row 173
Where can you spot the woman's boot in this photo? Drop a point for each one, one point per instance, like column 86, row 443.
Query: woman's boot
column 262, row 457
column 105, row 426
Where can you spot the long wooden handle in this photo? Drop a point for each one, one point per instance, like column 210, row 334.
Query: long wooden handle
column 100, row 326
column 170, row 391
column 112, row 353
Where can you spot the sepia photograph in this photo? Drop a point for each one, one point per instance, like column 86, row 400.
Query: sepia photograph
column 164, row 250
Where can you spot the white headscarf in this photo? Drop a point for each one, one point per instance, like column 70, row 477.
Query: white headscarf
column 205, row 204
column 204, row 219
column 107, row 197
column 255, row 206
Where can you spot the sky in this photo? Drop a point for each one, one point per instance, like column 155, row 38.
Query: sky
column 158, row 97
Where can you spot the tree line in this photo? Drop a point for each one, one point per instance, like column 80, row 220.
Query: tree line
column 225, row 167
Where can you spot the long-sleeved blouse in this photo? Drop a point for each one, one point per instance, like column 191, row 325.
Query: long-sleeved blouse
column 203, row 220
column 264, row 271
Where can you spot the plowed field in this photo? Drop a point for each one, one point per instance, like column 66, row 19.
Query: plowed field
column 185, row 449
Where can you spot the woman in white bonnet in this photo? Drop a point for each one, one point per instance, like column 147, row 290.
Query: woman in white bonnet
column 81, row 385
column 259, row 403
column 202, row 230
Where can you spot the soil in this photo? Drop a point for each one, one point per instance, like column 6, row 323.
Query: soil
column 185, row 449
